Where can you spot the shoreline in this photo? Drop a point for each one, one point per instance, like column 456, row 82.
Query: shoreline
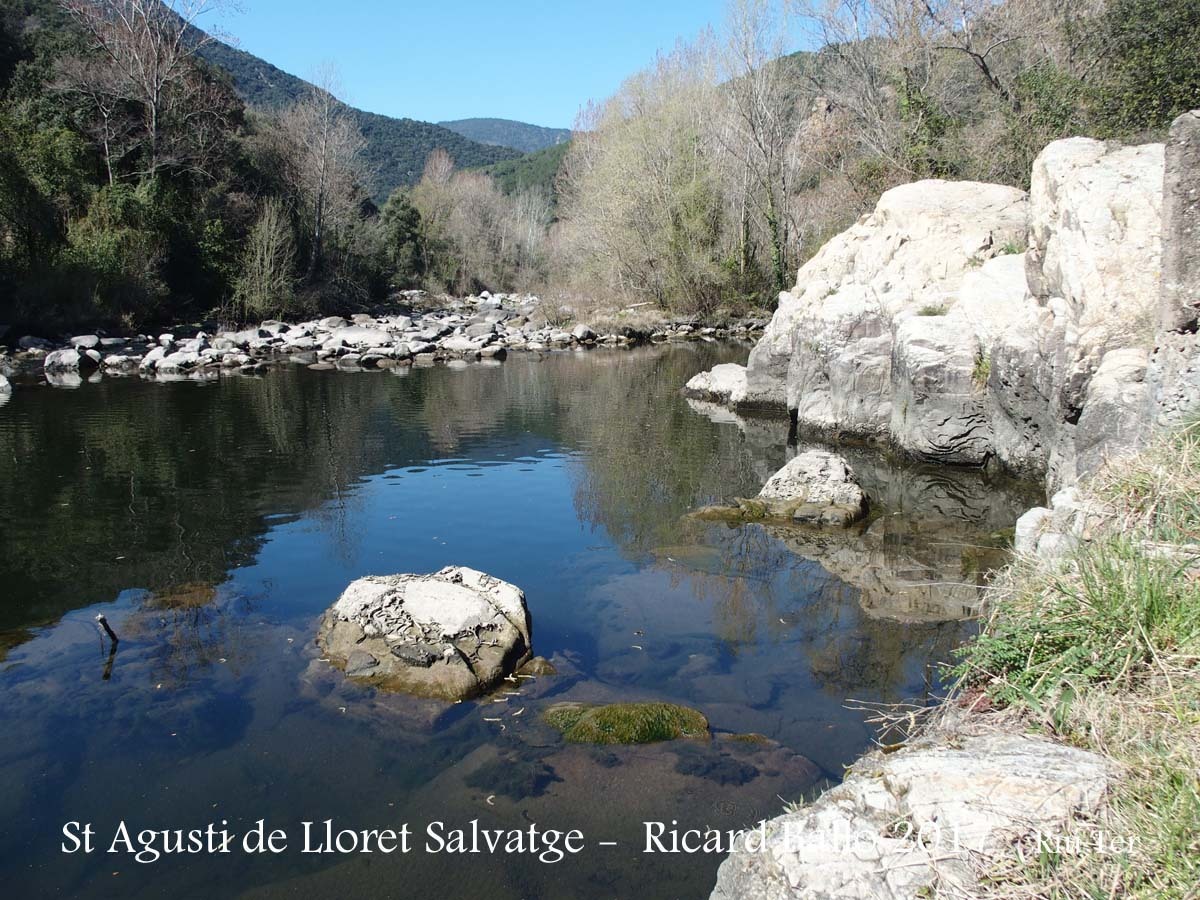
column 474, row 328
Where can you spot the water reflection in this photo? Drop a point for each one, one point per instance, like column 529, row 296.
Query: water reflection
column 213, row 521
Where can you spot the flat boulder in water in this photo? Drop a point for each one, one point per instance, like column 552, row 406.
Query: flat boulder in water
column 815, row 487
column 450, row 635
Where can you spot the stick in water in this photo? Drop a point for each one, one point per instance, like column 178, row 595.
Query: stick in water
column 103, row 623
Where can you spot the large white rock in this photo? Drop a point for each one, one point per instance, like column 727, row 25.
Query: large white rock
column 451, row 635
column 827, row 351
column 725, row 383
column 63, row 361
column 360, row 336
column 928, row 817
column 929, row 324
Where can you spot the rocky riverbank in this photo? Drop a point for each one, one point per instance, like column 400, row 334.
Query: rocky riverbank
column 474, row 328
column 1054, row 334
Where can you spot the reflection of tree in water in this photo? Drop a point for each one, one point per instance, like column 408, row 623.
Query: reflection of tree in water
column 191, row 628
column 124, row 484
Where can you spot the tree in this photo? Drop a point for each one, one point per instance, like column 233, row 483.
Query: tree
column 1151, row 63
column 761, row 123
column 641, row 204
column 267, row 283
column 401, row 223
column 144, row 55
column 323, row 148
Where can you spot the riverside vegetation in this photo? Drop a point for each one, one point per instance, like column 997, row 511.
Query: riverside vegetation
column 1100, row 651
column 702, row 183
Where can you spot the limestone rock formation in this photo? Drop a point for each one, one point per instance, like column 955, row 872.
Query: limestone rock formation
column 965, row 322
column 450, row 635
column 928, row 817
column 1173, row 375
column 827, row 351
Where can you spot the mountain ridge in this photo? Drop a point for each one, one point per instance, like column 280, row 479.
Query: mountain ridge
column 396, row 147
column 510, row 133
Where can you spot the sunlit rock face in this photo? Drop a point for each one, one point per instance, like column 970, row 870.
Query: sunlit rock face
column 969, row 322
column 449, row 635
column 827, row 352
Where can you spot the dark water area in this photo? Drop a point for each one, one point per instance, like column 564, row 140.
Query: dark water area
column 212, row 523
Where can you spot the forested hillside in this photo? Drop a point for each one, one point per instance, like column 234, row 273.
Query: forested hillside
column 396, row 149
column 534, row 171
column 507, row 133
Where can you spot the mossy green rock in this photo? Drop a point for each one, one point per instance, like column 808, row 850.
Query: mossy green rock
column 626, row 723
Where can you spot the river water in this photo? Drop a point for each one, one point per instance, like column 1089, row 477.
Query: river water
column 213, row 522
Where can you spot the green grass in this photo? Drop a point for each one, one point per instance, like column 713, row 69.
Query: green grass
column 626, row 723
column 1102, row 651
column 982, row 370
column 932, row 309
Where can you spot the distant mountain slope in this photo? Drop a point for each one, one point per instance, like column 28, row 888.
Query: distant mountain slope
column 396, row 148
column 533, row 170
column 507, row 133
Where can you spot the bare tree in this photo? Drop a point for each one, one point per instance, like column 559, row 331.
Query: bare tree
column 762, row 123
column 324, row 150
column 145, row 55
column 113, row 124
column 268, row 279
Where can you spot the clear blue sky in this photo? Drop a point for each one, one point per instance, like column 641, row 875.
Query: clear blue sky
column 533, row 60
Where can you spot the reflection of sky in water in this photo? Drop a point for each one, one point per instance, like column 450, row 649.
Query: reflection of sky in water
column 213, row 523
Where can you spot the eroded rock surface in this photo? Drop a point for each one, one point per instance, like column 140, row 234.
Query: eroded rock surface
column 722, row 384
column 450, row 635
column 918, row 821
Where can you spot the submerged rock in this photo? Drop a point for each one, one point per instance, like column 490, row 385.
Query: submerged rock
column 449, row 635
column 626, row 723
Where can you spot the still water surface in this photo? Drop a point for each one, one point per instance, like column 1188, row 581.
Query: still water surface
column 212, row 523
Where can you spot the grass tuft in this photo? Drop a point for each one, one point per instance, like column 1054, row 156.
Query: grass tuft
column 626, row 723
column 1102, row 651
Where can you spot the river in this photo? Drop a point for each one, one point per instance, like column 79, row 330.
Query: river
column 212, row 522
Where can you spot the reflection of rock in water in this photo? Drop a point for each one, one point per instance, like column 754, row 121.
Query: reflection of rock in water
column 902, row 569
column 926, row 557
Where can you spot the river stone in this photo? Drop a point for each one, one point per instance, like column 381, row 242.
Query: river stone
column 722, row 384
column 85, row 342
column 67, row 361
column 479, row 329
column 815, row 486
column 5, row 386
column 358, row 336
column 970, row 797
column 450, row 635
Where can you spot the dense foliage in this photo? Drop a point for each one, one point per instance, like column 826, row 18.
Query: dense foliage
column 506, row 133
column 133, row 194
column 534, row 171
